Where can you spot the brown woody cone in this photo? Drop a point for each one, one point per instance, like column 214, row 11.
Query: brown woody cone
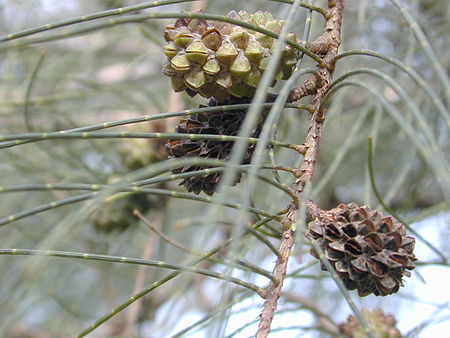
column 217, row 123
column 370, row 252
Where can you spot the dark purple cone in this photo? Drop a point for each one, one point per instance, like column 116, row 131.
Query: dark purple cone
column 216, row 123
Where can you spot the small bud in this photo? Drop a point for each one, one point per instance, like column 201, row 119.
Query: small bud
column 183, row 39
column 240, row 66
column 214, row 90
column 269, row 16
column 180, row 62
column 253, row 78
column 224, row 80
column 241, row 90
column 197, row 52
column 211, row 67
column 178, row 84
column 168, row 70
column 224, row 28
column 259, row 18
column 254, row 52
column 170, row 51
column 245, row 16
column 240, row 38
column 195, row 79
column 212, row 39
column 181, row 22
column 274, row 26
column 291, row 36
column 227, row 53
column 265, row 40
column 170, row 33
column 278, row 75
column 198, row 26
column 210, row 89
column 263, row 64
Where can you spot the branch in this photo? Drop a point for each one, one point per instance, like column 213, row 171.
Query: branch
column 132, row 315
column 309, row 150
column 309, row 87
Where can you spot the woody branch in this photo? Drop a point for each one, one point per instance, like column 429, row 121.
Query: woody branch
column 327, row 45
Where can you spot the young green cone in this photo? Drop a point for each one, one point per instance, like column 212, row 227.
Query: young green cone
column 217, row 59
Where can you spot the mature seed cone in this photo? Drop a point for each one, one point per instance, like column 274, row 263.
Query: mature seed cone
column 217, row 123
column 369, row 251
column 218, row 59
column 382, row 325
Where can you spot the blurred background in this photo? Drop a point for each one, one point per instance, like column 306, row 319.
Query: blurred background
column 114, row 74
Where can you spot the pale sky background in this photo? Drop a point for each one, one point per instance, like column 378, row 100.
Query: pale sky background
column 432, row 294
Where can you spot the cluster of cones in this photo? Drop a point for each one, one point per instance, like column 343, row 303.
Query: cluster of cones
column 223, row 62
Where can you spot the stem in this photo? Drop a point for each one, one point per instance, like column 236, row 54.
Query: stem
column 121, row 11
column 86, row 18
column 160, row 282
column 138, row 261
column 132, row 315
column 158, row 136
column 137, row 18
column 359, row 316
column 310, row 151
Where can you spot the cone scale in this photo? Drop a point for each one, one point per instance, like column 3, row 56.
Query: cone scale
column 369, row 251
column 216, row 123
column 231, row 59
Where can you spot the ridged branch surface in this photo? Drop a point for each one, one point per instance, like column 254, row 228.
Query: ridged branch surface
column 328, row 45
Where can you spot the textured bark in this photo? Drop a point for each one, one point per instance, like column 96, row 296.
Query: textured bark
column 310, row 149
column 306, row 89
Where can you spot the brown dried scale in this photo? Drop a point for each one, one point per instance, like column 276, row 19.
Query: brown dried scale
column 218, row 59
column 217, row 123
column 370, row 252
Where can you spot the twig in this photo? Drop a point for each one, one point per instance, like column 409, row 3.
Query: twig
column 309, row 87
column 310, row 151
column 324, row 321
column 241, row 264
column 132, row 314
column 161, row 234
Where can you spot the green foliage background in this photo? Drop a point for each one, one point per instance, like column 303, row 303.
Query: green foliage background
column 114, row 73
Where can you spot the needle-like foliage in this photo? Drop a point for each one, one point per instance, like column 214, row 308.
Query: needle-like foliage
column 99, row 237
